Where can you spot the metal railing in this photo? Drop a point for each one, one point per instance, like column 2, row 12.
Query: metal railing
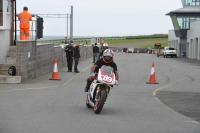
column 31, row 31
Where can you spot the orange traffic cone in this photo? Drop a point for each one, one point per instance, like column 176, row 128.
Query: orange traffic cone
column 152, row 79
column 55, row 71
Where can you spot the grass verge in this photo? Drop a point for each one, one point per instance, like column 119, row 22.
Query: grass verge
column 113, row 42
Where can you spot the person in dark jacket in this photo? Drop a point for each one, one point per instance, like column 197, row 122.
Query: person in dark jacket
column 71, row 41
column 95, row 52
column 69, row 54
column 102, row 48
column 76, row 57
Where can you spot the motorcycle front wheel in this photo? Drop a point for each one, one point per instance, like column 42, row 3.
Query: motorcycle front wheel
column 101, row 98
column 87, row 102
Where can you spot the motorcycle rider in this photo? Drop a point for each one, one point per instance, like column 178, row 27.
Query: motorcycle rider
column 107, row 60
column 102, row 48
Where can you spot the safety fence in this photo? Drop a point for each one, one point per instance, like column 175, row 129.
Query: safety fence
column 80, row 40
column 125, row 50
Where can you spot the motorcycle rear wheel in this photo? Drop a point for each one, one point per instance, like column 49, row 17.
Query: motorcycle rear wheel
column 101, row 98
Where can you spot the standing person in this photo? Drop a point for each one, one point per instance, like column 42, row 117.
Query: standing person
column 65, row 40
column 102, row 41
column 24, row 18
column 71, row 41
column 95, row 52
column 69, row 49
column 102, row 48
column 76, row 57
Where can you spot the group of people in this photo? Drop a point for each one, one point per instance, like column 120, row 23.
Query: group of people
column 72, row 53
column 102, row 54
column 66, row 41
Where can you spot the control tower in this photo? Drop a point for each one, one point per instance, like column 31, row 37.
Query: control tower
column 181, row 19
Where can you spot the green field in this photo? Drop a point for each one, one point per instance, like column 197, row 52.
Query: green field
column 126, row 41
column 113, row 42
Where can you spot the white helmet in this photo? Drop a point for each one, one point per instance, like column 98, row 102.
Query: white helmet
column 105, row 46
column 108, row 53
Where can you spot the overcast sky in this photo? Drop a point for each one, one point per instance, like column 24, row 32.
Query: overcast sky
column 105, row 17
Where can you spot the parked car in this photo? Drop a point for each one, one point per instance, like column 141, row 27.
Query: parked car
column 130, row 50
column 169, row 51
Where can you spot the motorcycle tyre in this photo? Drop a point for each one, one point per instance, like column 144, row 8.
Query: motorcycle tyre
column 100, row 101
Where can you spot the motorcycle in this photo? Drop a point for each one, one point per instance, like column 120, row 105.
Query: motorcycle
column 100, row 88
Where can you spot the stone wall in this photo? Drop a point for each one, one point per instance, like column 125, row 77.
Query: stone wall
column 35, row 60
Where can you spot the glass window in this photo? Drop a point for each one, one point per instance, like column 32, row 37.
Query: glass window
column 1, row 12
column 183, row 22
column 191, row 2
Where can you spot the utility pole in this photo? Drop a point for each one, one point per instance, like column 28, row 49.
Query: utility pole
column 67, row 25
column 71, row 23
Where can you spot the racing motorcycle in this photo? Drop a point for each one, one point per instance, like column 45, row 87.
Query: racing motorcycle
column 100, row 88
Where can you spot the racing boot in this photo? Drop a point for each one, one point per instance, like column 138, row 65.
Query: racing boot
column 87, row 85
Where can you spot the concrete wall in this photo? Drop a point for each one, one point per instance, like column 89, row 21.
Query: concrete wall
column 4, row 44
column 174, row 41
column 35, row 60
column 5, row 34
column 192, row 42
column 193, row 39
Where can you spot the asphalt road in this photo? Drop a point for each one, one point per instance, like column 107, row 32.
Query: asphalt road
column 45, row 106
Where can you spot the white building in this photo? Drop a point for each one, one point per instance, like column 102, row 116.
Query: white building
column 186, row 34
column 6, row 26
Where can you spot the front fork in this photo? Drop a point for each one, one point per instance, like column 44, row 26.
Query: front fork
column 98, row 91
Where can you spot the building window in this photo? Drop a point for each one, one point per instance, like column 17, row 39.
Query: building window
column 1, row 12
column 183, row 22
column 191, row 2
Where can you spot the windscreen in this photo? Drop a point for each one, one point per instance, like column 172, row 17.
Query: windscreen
column 107, row 69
